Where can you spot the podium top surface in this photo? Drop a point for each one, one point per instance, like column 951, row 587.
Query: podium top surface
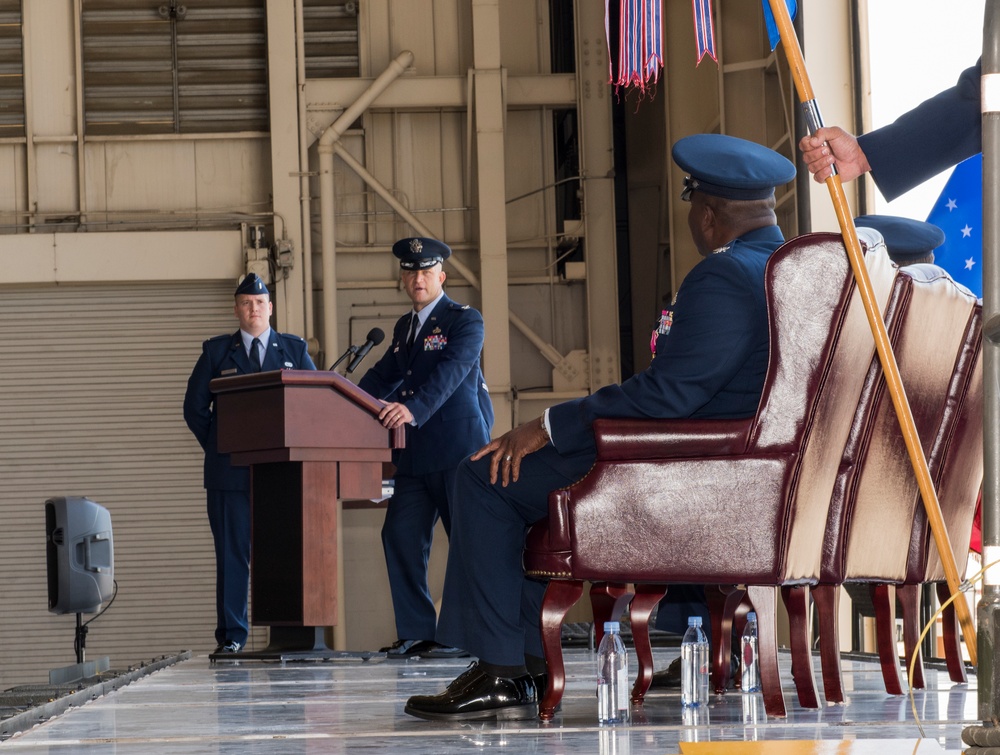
column 292, row 379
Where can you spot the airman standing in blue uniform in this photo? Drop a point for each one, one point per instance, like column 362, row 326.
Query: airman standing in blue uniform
column 431, row 378
column 711, row 363
column 252, row 348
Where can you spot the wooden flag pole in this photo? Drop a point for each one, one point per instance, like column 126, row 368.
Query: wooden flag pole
column 890, row 369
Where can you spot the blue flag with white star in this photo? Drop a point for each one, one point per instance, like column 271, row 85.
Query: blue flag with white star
column 959, row 213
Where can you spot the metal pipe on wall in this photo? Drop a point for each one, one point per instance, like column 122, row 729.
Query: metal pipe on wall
column 326, row 148
column 988, row 612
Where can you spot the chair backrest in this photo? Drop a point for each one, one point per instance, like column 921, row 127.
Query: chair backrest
column 957, row 461
column 875, row 499
column 832, row 414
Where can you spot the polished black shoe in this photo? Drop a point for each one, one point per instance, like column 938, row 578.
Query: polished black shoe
column 476, row 695
column 443, row 651
column 400, row 650
column 669, row 678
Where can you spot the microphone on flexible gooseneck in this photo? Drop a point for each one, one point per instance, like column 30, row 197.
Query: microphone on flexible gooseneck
column 374, row 338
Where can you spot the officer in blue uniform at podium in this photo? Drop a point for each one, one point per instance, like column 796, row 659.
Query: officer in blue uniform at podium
column 431, row 377
column 710, row 362
column 255, row 347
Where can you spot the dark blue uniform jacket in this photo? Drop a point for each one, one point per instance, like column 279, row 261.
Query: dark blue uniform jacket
column 713, row 361
column 224, row 356
column 442, row 385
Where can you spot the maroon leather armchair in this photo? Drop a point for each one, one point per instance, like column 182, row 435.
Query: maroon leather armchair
column 721, row 502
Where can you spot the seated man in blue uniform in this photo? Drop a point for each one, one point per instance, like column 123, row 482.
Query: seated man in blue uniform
column 710, row 362
column 907, row 241
column 252, row 348
column 431, row 377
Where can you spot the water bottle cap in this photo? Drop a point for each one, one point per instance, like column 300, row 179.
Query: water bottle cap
column 752, row 616
column 694, row 621
column 611, row 626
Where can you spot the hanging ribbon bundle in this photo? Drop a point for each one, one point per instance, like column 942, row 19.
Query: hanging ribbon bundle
column 640, row 42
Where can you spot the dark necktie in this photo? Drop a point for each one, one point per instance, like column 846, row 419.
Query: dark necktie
column 414, row 325
column 255, row 355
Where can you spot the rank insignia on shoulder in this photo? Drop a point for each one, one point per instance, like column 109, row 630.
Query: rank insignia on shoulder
column 722, row 249
column 435, row 343
column 465, row 306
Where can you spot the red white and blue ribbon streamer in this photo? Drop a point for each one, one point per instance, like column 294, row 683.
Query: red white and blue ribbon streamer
column 640, row 42
column 704, row 30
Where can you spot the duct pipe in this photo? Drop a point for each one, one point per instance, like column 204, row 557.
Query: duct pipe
column 547, row 350
column 327, row 146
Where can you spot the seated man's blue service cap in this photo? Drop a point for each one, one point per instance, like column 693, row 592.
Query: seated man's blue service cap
column 905, row 239
column 252, row 285
column 729, row 167
column 418, row 253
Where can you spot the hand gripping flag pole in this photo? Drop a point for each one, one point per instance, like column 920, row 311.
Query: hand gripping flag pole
column 890, row 369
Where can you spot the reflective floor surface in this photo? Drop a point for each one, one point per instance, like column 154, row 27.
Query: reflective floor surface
column 255, row 707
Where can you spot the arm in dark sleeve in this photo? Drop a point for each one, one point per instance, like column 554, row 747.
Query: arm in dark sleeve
column 935, row 135
column 382, row 378
column 708, row 343
column 198, row 399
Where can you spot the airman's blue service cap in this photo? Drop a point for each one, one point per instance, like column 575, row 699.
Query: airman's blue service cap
column 729, row 167
column 420, row 253
column 906, row 240
column 252, row 285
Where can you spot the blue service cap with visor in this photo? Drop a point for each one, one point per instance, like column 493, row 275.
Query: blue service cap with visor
column 906, row 239
column 730, row 167
column 419, row 253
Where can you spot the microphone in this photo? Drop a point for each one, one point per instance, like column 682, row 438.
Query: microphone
column 351, row 351
column 374, row 338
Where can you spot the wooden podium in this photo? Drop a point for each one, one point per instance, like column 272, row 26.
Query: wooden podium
column 310, row 438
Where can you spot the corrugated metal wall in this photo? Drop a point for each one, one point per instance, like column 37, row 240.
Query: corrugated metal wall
column 91, row 388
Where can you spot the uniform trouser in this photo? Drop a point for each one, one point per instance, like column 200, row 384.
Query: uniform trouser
column 407, row 536
column 489, row 607
column 229, row 518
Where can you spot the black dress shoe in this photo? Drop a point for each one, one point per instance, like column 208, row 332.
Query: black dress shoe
column 477, row 695
column 400, row 650
column 669, row 678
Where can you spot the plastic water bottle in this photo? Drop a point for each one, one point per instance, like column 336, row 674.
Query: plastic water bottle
column 612, row 677
column 694, row 665
column 750, row 679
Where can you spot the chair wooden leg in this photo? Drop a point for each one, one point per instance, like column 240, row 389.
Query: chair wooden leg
column 909, row 600
column 645, row 600
column 723, row 600
column 764, row 602
column 950, row 636
column 796, row 600
column 884, row 598
column 560, row 595
column 827, row 599
column 608, row 601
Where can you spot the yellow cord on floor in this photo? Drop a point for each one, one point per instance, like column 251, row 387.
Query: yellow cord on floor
column 913, row 659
